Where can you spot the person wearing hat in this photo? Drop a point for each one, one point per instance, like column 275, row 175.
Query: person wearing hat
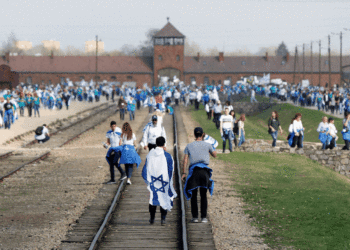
column 199, row 174
column 151, row 133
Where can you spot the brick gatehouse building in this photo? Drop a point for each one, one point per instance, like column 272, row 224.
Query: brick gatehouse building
column 168, row 60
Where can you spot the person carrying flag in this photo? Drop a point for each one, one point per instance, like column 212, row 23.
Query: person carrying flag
column 158, row 173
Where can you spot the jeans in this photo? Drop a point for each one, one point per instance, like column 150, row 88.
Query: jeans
column 274, row 138
column 44, row 140
column 30, row 110
column 122, row 113
column 128, row 170
column 36, row 109
column 176, row 102
column 8, row 119
column 204, row 203
column 138, row 104
column 111, row 166
column 319, row 106
column 196, row 104
column 253, row 99
column 132, row 115
column 226, row 137
column 153, row 209
column 21, row 111
column 209, row 115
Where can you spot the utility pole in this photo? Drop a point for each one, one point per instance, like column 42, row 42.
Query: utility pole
column 319, row 65
column 295, row 63
column 312, row 69
column 329, row 59
column 96, row 59
column 341, row 58
column 303, row 61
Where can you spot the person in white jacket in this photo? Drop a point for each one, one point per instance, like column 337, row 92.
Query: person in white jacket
column 152, row 132
column 298, row 130
column 333, row 132
column 323, row 129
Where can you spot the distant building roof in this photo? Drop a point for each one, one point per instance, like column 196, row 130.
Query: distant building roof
column 113, row 64
column 258, row 64
column 169, row 31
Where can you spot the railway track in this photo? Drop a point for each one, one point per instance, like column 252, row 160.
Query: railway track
column 13, row 161
column 121, row 221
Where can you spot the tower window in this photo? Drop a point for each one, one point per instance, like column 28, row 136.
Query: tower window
column 129, row 77
column 193, row 79
column 206, row 80
column 159, row 41
column 177, row 58
column 160, row 58
column 97, row 77
column 81, row 77
column 113, row 78
column 62, row 80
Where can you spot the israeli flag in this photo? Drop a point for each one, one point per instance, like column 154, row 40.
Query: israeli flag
column 265, row 79
column 158, row 174
column 208, row 139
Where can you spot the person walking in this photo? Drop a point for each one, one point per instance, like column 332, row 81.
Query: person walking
column 199, row 174
column 113, row 139
column 21, row 104
column 66, row 97
column 217, row 113
column 151, row 133
column 274, row 125
column 129, row 156
column 29, row 103
column 8, row 113
column 252, row 96
column 241, row 131
column 122, row 106
column 346, row 131
column 333, row 133
column 131, row 108
column 226, row 129
column 323, row 130
column 158, row 173
column 36, row 104
column 234, row 126
column 298, row 132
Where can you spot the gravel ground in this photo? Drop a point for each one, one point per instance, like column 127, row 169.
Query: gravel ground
column 231, row 227
column 39, row 204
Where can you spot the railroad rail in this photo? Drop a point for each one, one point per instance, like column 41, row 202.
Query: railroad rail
column 11, row 163
column 127, row 213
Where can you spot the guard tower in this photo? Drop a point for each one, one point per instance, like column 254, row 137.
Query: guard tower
column 168, row 58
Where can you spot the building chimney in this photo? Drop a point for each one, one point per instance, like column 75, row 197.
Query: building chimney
column 221, row 56
column 287, row 57
column 7, row 57
column 51, row 56
column 198, row 56
column 267, row 56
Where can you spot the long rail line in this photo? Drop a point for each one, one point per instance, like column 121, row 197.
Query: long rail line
column 182, row 230
column 6, row 159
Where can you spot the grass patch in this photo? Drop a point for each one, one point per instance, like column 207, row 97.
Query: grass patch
column 258, row 98
column 296, row 201
column 256, row 125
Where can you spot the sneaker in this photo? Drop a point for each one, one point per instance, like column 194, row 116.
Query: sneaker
column 162, row 222
column 40, row 142
column 223, row 151
column 194, row 220
column 110, row 182
column 128, row 182
column 123, row 177
column 204, row 220
column 151, row 221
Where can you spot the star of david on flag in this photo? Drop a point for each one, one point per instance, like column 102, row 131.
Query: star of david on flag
column 160, row 179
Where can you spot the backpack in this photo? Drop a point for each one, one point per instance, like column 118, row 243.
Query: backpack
column 39, row 130
column 235, row 128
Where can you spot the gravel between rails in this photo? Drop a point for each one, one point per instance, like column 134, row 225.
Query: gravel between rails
column 231, row 227
column 40, row 203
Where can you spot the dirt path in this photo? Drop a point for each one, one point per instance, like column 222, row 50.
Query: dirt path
column 231, row 227
column 40, row 203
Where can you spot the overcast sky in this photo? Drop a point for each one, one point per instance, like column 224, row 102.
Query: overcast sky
column 228, row 25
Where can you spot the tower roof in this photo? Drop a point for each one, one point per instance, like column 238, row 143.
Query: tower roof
column 169, row 31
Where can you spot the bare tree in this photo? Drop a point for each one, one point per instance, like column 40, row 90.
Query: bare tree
column 192, row 49
column 73, row 51
column 10, row 45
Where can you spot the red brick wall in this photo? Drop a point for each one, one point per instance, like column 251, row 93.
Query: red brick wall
column 314, row 79
column 168, row 53
column 55, row 78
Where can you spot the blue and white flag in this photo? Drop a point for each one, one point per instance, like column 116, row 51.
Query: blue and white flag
column 158, row 174
column 265, row 79
column 208, row 139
